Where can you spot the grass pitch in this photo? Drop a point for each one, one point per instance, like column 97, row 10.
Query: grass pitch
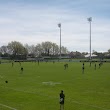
column 38, row 86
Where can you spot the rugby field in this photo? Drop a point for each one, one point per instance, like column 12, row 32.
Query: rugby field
column 38, row 86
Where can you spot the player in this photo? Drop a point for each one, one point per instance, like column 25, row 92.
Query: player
column 65, row 66
column 99, row 65
column 62, row 98
column 22, row 69
column 6, row 81
column 83, row 69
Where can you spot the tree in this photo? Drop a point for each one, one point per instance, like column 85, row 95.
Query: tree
column 84, row 53
column 94, row 52
column 55, row 49
column 47, row 47
column 16, row 48
column 30, row 49
column 4, row 49
column 38, row 49
column 109, row 51
column 64, row 50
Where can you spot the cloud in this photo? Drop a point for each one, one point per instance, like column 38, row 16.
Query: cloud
column 35, row 22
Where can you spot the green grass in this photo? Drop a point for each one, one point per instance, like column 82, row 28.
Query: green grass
column 38, row 87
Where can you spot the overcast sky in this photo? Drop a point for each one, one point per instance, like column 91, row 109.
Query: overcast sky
column 36, row 21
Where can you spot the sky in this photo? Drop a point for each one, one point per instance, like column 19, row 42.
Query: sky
column 36, row 21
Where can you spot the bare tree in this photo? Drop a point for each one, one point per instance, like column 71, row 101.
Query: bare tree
column 16, row 48
column 38, row 49
column 109, row 51
column 55, row 49
column 47, row 46
column 31, row 49
column 64, row 50
column 4, row 49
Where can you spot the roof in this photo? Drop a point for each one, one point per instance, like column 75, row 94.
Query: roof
column 92, row 55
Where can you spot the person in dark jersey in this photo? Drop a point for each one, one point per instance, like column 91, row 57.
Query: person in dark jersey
column 65, row 66
column 62, row 98
column 22, row 69
column 83, row 69
column 90, row 63
column 99, row 65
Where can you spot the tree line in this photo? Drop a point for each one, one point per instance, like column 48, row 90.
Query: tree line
column 16, row 49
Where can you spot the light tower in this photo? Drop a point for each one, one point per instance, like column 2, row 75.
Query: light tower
column 59, row 25
column 90, row 20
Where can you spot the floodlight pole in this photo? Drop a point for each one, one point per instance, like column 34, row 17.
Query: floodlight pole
column 90, row 20
column 59, row 25
column 60, row 42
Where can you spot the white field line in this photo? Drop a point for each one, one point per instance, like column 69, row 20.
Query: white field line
column 69, row 100
column 6, row 106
